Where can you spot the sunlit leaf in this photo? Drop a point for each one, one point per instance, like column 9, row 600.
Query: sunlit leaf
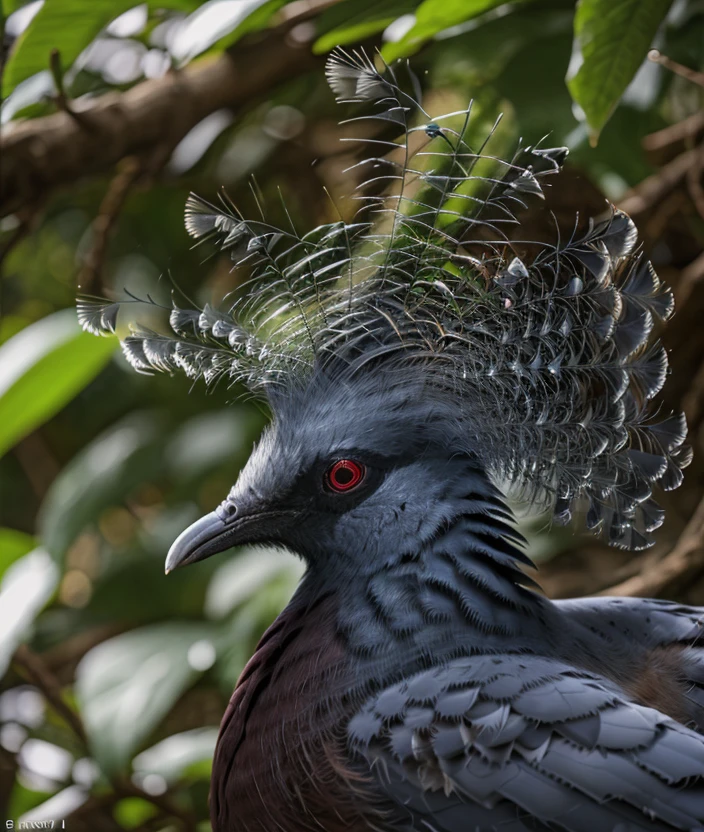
column 434, row 16
column 26, row 587
column 354, row 20
column 241, row 577
column 611, row 41
column 58, row 806
column 100, row 475
column 177, row 755
column 69, row 26
column 126, row 686
column 223, row 22
column 24, row 798
column 42, row 368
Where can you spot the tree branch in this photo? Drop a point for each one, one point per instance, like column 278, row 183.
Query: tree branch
column 47, row 683
column 39, row 674
column 89, row 278
column 682, row 563
column 39, row 155
column 651, row 191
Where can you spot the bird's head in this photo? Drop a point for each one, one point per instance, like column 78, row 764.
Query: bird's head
column 526, row 361
column 351, row 469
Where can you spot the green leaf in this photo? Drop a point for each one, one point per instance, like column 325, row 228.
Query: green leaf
column 354, row 20
column 434, row 16
column 42, row 368
column 10, row 6
column 69, row 26
column 13, row 545
column 126, row 686
column 611, row 41
column 133, row 811
column 99, row 476
column 26, row 587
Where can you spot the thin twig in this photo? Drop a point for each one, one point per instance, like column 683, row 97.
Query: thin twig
column 90, row 275
column 682, row 563
column 48, row 684
column 61, row 99
column 694, row 182
column 683, row 71
column 38, row 463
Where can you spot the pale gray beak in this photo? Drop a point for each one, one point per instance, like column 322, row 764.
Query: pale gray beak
column 227, row 526
column 204, row 538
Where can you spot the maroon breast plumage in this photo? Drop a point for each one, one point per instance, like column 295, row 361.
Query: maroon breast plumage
column 280, row 762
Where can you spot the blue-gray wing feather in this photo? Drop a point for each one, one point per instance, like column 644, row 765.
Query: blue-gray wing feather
column 513, row 742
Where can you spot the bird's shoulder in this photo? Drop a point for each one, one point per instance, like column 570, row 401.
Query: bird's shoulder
column 653, row 648
column 651, row 622
column 515, row 741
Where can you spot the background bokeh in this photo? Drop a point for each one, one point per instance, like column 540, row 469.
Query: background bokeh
column 113, row 678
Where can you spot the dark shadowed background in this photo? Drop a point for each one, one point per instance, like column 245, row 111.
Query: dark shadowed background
column 113, row 677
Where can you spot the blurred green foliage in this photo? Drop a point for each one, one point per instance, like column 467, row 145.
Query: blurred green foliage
column 102, row 468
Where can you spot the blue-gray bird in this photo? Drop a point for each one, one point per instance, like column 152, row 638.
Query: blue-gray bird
column 419, row 365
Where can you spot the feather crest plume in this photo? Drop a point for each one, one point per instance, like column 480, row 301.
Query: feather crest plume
column 547, row 358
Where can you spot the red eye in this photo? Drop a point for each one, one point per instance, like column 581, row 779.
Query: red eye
column 344, row 475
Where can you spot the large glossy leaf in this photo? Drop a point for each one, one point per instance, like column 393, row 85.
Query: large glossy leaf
column 126, row 685
column 42, row 368
column 434, row 16
column 26, row 587
column 69, row 26
column 101, row 475
column 354, row 20
column 611, row 41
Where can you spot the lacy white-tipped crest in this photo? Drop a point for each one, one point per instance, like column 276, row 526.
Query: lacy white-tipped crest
column 546, row 358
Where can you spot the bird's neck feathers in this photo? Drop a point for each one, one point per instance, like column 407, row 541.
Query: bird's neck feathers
column 460, row 592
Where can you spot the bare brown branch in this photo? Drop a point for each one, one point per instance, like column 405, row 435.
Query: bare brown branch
column 39, row 155
column 679, row 69
column 674, row 138
column 651, row 191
